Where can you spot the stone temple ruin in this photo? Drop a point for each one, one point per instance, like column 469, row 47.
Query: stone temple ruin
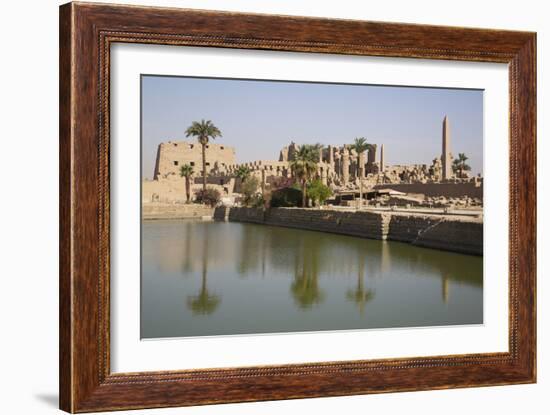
column 173, row 154
column 339, row 167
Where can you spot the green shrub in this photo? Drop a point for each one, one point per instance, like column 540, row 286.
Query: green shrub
column 210, row 196
column 249, row 189
column 318, row 192
column 257, row 201
column 286, row 197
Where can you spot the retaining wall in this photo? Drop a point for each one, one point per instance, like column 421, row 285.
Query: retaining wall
column 175, row 211
column 363, row 224
column 463, row 235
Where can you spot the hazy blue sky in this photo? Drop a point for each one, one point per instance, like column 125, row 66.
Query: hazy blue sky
column 258, row 118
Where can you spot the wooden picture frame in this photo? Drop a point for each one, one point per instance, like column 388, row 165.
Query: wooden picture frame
column 86, row 33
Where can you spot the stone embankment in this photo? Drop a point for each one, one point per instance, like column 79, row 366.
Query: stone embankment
column 457, row 234
column 175, row 211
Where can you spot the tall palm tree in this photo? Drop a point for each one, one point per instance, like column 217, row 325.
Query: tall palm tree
column 360, row 146
column 187, row 171
column 204, row 131
column 460, row 165
column 304, row 166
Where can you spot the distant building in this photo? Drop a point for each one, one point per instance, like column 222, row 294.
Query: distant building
column 172, row 155
column 338, row 166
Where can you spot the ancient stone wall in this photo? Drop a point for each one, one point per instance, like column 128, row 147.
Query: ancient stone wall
column 164, row 191
column 243, row 214
column 362, row 224
column 172, row 189
column 469, row 189
column 174, row 154
column 407, row 228
column 463, row 235
column 175, row 211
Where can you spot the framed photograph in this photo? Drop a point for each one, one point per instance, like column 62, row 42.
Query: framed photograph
column 259, row 207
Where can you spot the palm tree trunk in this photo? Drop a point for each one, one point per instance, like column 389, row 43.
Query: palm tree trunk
column 304, row 190
column 360, row 191
column 203, row 167
column 187, row 188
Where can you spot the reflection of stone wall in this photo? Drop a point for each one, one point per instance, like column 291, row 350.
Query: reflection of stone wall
column 470, row 189
column 451, row 234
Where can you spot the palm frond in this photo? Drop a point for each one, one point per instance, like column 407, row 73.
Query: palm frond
column 304, row 163
column 360, row 145
column 203, row 130
column 186, row 170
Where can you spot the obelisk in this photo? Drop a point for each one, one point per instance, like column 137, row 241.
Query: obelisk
column 446, row 150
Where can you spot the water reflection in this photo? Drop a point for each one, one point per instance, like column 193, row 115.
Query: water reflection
column 204, row 302
column 305, row 287
column 278, row 279
column 360, row 295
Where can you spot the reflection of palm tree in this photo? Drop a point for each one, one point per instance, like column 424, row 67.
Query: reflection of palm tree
column 305, row 288
column 445, row 289
column 204, row 302
column 251, row 239
column 360, row 295
column 306, row 291
column 187, row 262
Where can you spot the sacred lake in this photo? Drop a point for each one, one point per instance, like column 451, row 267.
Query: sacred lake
column 203, row 278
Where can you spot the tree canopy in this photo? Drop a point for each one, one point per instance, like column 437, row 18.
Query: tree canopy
column 186, row 170
column 460, row 165
column 304, row 163
column 318, row 191
column 360, row 145
column 242, row 172
column 203, row 131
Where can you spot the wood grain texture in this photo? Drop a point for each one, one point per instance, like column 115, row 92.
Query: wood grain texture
column 65, row 246
column 86, row 33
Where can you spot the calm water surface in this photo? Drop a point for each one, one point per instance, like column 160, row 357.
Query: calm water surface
column 217, row 278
